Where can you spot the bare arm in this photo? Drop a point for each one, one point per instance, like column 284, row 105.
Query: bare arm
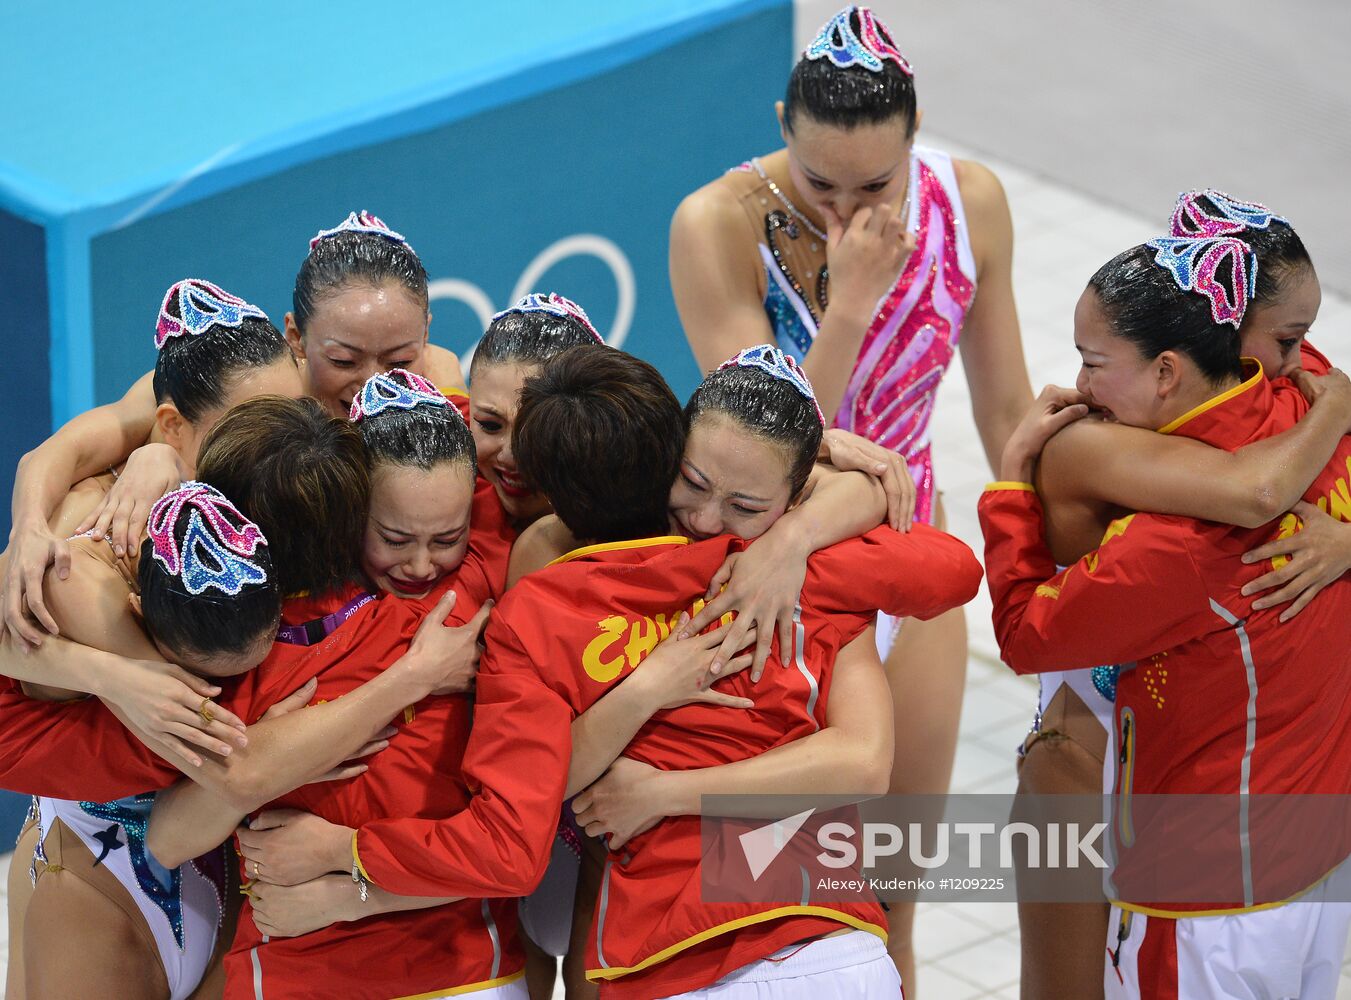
column 443, row 368
column 676, row 673
column 1143, row 470
column 189, row 819
column 991, row 345
column 762, row 584
column 292, row 910
column 715, row 278
column 292, row 749
column 835, row 506
column 852, row 755
column 159, row 698
column 86, row 445
column 538, row 545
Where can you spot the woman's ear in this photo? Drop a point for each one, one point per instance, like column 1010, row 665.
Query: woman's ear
column 783, row 125
column 1169, row 374
column 173, row 427
column 135, row 601
column 293, row 338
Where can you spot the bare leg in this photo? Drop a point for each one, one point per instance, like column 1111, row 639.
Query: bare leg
column 541, row 970
column 20, row 891
column 927, row 674
column 212, row 986
column 76, row 902
column 584, row 908
column 1062, row 943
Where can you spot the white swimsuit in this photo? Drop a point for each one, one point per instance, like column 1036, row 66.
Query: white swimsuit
column 181, row 906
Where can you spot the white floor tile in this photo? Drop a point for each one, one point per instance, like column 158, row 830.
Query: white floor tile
column 991, row 963
column 937, row 982
column 940, row 932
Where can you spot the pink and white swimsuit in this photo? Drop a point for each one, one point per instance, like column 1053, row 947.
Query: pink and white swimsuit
column 916, row 326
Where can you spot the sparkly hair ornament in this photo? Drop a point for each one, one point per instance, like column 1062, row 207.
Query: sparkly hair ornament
column 869, row 47
column 1194, row 263
column 361, row 222
column 555, row 305
column 773, row 362
column 217, row 547
column 384, row 392
column 1213, row 213
column 201, row 305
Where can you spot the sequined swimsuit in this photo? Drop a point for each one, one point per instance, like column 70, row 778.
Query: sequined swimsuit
column 182, row 907
column 910, row 342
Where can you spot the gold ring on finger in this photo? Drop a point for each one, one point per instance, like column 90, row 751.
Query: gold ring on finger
column 204, row 710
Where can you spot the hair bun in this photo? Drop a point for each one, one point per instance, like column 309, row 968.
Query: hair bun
column 773, row 362
column 360, row 222
column 553, row 304
column 1208, row 213
column 870, row 46
column 1196, row 266
column 201, row 305
column 396, row 389
column 218, row 543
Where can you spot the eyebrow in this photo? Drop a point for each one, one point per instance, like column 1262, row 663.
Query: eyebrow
column 886, row 175
column 408, row 534
column 739, row 496
column 357, row 350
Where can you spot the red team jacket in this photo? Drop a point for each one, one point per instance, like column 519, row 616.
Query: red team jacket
column 1213, row 698
column 558, row 642
column 388, row 955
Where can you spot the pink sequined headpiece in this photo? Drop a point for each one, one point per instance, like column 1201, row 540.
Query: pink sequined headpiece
column 384, row 392
column 773, row 362
column 1194, row 265
column 1214, row 213
column 218, row 545
column 555, row 305
column 201, row 305
column 361, row 222
column 869, row 47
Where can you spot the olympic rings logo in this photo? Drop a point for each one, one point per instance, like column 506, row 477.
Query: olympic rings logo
column 582, row 244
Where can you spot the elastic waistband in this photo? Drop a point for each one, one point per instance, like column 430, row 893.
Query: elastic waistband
column 822, row 955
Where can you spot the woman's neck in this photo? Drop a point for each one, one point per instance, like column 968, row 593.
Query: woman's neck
column 1192, row 397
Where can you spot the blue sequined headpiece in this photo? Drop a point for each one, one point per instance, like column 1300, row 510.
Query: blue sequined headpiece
column 773, row 362
column 384, row 392
column 1218, row 215
column 553, row 304
column 201, row 305
column 1194, row 264
column 361, row 222
column 868, row 47
column 217, row 546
